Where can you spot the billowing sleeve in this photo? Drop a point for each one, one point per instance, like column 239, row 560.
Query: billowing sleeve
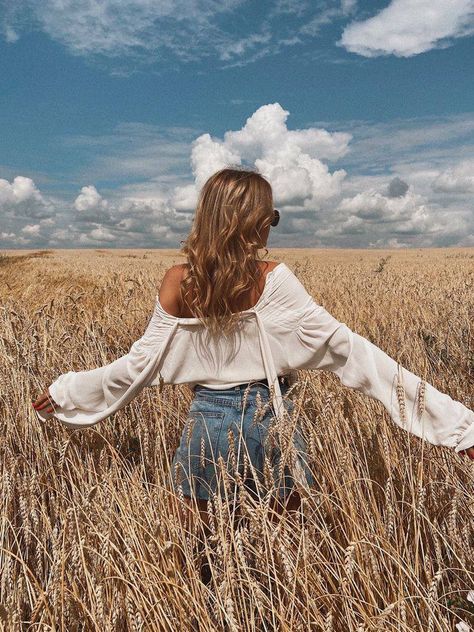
column 416, row 406
column 86, row 397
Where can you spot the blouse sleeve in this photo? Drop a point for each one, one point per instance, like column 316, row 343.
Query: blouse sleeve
column 86, row 397
column 325, row 343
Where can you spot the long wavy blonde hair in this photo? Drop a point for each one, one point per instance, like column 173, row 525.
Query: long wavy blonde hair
column 234, row 208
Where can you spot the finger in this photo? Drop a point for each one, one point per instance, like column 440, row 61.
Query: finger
column 42, row 398
column 47, row 402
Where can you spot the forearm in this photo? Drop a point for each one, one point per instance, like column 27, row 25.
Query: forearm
column 413, row 404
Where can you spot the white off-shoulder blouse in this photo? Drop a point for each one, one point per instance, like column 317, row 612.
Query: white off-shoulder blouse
column 284, row 331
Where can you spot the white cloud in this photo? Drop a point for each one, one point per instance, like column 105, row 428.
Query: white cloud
column 409, row 27
column 239, row 47
column 457, row 179
column 123, row 219
column 380, row 221
column 372, row 205
column 114, row 27
column 208, row 156
column 24, row 210
column 125, row 35
column 142, row 30
column 91, row 206
column 12, row 240
column 63, row 236
column 376, row 207
column 265, row 132
column 401, row 184
column 326, row 13
column 322, row 18
column 185, row 198
column 47, row 221
column 101, row 234
column 89, row 199
column 161, row 208
column 290, row 159
column 21, row 197
column 31, row 229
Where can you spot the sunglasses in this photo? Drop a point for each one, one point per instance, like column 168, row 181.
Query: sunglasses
column 276, row 219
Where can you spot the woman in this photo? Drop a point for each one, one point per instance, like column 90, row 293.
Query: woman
column 235, row 327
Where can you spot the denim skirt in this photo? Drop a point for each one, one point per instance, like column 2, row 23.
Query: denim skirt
column 231, row 437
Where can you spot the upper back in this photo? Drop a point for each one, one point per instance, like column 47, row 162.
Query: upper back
column 170, row 298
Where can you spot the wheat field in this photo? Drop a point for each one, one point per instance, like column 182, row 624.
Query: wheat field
column 92, row 536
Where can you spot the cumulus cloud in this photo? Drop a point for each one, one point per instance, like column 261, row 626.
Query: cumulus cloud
column 408, row 27
column 457, row 179
column 7, row 236
column 89, row 199
column 21, row 197
column 381, row 220
column 185, row 198
column 122, row 220
column 91, row 206
column 102, row 234
column 292, row 160
column 63, row 236
column 31, row 229
column 24, row 210
column 208, row 156
column 422, row 205
column 373, row 205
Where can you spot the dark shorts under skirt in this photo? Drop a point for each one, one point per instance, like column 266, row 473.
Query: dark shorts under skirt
column 235, row 430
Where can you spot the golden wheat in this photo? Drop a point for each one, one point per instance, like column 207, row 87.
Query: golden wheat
column 93, row 537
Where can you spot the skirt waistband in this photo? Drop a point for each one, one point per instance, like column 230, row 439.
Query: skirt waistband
column 284, row 380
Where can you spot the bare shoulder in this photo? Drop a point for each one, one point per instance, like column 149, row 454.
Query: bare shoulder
column 173, row 274
column 168, row 292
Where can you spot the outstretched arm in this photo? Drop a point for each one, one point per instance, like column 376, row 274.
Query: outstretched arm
column 95, row 389
column 83, row 398
column 414, row 405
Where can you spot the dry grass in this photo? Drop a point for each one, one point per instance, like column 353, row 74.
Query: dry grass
column 92, row 537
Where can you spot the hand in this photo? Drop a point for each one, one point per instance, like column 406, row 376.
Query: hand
column 46, row 402
column 469, row 452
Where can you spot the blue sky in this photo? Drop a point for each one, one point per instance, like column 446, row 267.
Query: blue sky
column 114, row 114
